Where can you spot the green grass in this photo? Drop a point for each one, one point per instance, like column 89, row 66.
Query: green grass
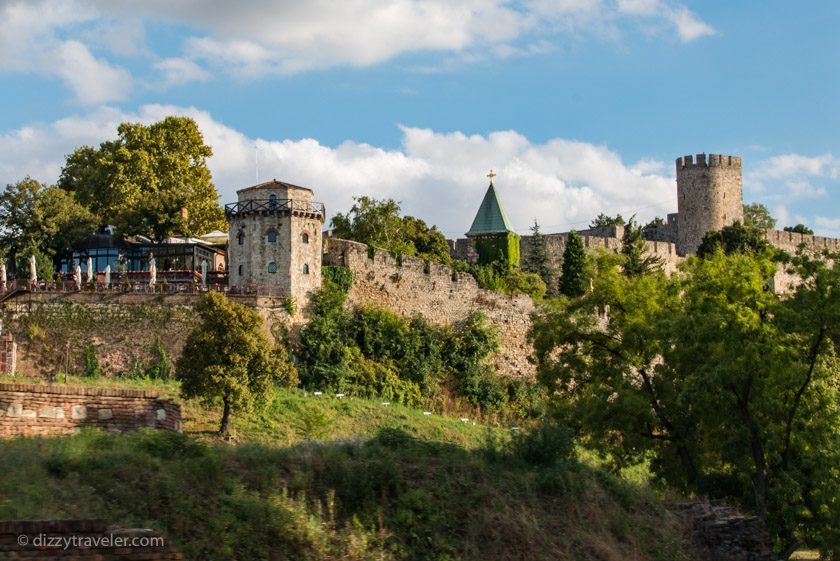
column 324, row 478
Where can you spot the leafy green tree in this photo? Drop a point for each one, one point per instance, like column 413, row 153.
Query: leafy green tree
column 729, row 390
column 227, row 356
column 537, row 260
column 737, row 238
column 40, row 219
column 141, row 182
column 574, row 279
column 757, row 216
column 378, row 223
column 799, row 229
column 638, row 260
column 654, row 224
column 605, row 221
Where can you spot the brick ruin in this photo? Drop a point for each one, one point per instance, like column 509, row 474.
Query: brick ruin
column 41, row 409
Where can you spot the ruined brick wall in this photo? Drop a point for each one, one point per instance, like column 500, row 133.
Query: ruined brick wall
column 40, row 409
column 431, row 290
column 709, row 197
column 81, row 540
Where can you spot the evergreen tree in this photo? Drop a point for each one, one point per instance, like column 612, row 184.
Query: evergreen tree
column 634, row 248
column 537, row 260
column 574, row 274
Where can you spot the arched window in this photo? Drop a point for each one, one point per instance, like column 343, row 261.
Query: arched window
column 272, row 267
column 304, row 238
column 305, row 269
column 241, row 237
column 241, row 270
column 272, row 201
column 272, row 235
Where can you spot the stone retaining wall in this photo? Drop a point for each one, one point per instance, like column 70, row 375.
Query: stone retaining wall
column 80, row 540
column 724, row 534
column 38, row 409
column 410, row 286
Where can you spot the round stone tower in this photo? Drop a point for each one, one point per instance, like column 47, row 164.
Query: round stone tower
column 709, row 197
column 275, row 240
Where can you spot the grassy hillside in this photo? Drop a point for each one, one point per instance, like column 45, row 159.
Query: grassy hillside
column 375, row 482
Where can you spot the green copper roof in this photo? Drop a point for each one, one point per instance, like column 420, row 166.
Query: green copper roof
column 491, row 217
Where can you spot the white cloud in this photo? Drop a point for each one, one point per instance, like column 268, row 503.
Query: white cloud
column 793, row 177
column 179, row 71
column 93, row 80
column 29, row 44
column 439, row 177
column 689, row 26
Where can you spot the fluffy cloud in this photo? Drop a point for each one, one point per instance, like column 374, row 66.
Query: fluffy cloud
column 268, row 37
column 29, row 44
column 437, row 176
column 792, row 177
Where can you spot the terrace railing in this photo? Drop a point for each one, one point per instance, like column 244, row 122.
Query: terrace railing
column 285, row 206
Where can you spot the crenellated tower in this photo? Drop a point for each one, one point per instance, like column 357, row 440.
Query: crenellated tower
column 275, row 240
column 709, row 197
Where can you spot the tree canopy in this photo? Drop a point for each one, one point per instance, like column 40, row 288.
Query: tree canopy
column 537, row 260
column 40, row 219
column 605, row 221
column 799, row 229
column 757, row 216
column 729, row 390
column 574, row 279
column 228, row 357
column 634, row 248
column 141, row 182
column 378, row 223
column 737, row 238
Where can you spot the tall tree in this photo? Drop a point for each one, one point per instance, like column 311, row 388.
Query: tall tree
column 40, row 219
column 152, row 180
column 605, row 221
column 757, row 216
column 638, row 260
column 729, row 389
column 537, row 260
column 574, row 277
column 228, row 357
column 736, row 238
column 799, row 229
column 378, row 223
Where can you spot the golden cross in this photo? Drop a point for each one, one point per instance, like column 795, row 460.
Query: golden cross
column 491, row 175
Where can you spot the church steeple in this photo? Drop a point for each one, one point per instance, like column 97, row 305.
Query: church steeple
column 491, row 217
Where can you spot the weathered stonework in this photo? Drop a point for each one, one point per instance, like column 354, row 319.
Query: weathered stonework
column 38, row 409
column 709, row 197
column 275, row 239
column 412, row 286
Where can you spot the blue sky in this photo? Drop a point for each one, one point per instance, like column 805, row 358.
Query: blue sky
column 581, row 106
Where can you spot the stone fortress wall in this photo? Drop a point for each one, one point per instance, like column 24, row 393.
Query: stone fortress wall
column 33, row 409
column 410, row 286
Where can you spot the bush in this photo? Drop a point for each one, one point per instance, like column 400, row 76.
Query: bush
column 341, row 277
column 91, row 360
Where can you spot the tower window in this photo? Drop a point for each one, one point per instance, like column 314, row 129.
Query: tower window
column 304, row 238
column 272, row 201
column 272, row 235
column 241, row 270
column 305, row 269
column 272, row 267
column 240, row 237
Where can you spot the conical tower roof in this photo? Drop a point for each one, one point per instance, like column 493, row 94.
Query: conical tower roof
column 491, row 217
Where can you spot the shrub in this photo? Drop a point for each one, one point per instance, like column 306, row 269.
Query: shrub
column 92, row 368
column 341, row 277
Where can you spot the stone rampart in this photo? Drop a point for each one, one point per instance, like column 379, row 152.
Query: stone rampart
column 80, row 540
column 790, row 241
column 40, row 409
column 556, row 245
column 410, row 286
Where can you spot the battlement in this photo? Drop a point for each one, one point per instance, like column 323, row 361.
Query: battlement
column 708, row 160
